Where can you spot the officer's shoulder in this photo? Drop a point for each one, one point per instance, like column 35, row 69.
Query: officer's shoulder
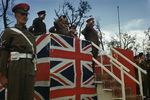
column 7, row 30
column 36, row 19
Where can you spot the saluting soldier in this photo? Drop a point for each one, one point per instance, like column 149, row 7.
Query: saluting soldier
column 91, row 34
column 16, row 62
column 61, row 26
column 39, row 27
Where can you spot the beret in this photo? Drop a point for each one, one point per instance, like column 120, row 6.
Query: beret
column 41, row 12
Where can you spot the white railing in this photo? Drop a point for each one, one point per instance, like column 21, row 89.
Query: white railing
column 135, row 65
column 108, row 71
column 113, row 59
column 123, row 69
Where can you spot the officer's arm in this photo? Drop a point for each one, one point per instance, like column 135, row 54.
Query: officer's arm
column 5, row 49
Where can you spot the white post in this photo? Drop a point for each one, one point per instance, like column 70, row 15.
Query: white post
column 123, row 85
column 111, row 66
column 102, row 63
column 140, row 81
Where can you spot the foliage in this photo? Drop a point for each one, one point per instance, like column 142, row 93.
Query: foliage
column 5, row 11
column 75, row 15
column 127, row 41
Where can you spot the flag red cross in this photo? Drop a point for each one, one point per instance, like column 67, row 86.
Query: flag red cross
column 77, row 56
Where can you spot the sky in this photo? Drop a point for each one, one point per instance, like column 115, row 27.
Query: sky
column 134, row 14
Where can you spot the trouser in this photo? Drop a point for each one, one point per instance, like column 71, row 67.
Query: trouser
column 20, row 80
column 146, row 87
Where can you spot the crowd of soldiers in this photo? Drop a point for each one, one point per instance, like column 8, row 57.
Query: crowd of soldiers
column 61, row 26
column 143, row 61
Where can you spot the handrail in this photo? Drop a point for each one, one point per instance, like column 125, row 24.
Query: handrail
column 142, row 70
column 134, row 79
column 136, row 66
column 108, row 71
column 125, row 68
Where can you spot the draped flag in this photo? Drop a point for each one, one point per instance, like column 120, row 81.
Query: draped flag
column 64, row 70
column 42, row 84
column 71, row 72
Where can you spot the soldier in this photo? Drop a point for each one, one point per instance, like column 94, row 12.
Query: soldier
column 38, row 27
column 91, row 34
column 147, row 77
column 61, row 26
column 73, row 31
column 16, row 62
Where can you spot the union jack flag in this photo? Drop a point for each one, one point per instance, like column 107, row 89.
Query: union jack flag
column 42, row 84
column 71, row 72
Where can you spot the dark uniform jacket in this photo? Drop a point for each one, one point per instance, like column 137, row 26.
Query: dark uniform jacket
column 91, row 34
column 39, row 26
column 20, row 73
column 146, row 77
column 61, row 27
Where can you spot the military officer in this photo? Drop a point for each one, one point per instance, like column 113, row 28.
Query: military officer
column 61, row 26
column 16, row 62
column 91, row 34
column 38, row 25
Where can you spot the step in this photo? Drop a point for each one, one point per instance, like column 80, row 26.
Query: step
column 110, row 83
column 109, row 90
column 102, row 94
column 117, row 98
column 98, row 82
column 136, row 97
column 104, row 76
column 117, row 92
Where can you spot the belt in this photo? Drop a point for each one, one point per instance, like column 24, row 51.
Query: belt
column 17, row 55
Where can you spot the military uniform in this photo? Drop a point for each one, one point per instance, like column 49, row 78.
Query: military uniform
column 91, row 34
column 60, row 26
column 146, row 78
column 38, row 25
column 20, row 71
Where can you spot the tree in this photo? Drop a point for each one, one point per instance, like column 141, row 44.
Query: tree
column 5, row 11
column 128, row 41
column 146, row 41
column 74, row 15
column 147, row 33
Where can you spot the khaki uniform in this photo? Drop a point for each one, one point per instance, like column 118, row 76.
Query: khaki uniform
column 60, row 27
column 20, row 73
column 91, row 34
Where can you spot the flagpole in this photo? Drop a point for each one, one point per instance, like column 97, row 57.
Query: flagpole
column 119, row 26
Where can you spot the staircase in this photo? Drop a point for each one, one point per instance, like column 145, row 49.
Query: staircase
column 111, row 86
column 110, row 89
